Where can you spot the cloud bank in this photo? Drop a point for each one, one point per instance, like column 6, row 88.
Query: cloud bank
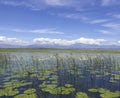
column 52, row 41
column 75, row 4
column 62, row 42
column 39, row 31
column 12, row 41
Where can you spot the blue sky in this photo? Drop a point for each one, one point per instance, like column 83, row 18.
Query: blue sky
column 61, row 22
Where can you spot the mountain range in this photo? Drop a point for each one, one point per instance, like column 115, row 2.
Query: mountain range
column 76, row 46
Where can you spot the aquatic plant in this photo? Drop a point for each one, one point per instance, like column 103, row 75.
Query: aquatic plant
column 93, row 90
column 53, row 89
column 1, row 92
column 81, row 95
column 102, row 90
column 15, row 83
column 105, row 93
column 33, row 95
column 60, row 75
column 30, row 90
column 109, row 94
column 9, row 91
column 68, row 85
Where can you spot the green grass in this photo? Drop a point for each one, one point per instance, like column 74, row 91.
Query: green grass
column 58, row 50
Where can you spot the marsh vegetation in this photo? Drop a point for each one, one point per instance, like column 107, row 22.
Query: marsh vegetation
column 59, row 75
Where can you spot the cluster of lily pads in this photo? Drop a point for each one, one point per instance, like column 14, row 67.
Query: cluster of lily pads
column 9, row 88
column 30, row 93
column 105, row 93
column 54, row 89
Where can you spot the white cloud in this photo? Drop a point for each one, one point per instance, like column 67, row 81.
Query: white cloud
column 116, row 16
column 115, row 26
column 33, row 4
column 69, row 3
column 46, row 31
column 110, row 2
column 119, row 42
column 62, row 42
column 40, row 31
column 97, row 21
column 105, row 32
column 73, row 16
column 56, row 2
column 75, row 4
column 6, row 40
column 42, row 4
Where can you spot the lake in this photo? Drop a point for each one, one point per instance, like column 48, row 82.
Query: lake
column 59, row 75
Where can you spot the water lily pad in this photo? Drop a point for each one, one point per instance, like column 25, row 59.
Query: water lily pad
column 29, row 91
column 1, row 92
column 8, row 92
column 21, row 96
column 117, row 76
column 112, row 80
column 102, row 90
column 26, row 96
column 68, row 85
column 43, row 85
column 15, row 83
column 93, row 90
column 41, row 78
column 109, row 94
column 53, row 78
column 54, row 82
column 53, row 89
column 81, row 95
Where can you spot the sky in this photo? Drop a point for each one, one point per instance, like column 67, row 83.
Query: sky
column 60, row 22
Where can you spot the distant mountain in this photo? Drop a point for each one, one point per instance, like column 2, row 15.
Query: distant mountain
column 76, row 46
column 9, row 46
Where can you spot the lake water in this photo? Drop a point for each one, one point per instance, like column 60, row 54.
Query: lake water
column 59, row 75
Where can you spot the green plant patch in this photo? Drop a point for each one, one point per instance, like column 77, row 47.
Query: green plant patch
column 112, row 80
column 43, row 85
column 8, row 92
column 81, row 95
column 75, row 72
column 109, row 94
column 2, row 71
column 68, row 85
column 53, row 89
column 30, row 90
column 54, row 82
column 102, row 90
column 53, row 78
column 117, row 76
column 1, row 92
column 15, row 83
column 26, row 96
column 93, row 90
column 41, row 78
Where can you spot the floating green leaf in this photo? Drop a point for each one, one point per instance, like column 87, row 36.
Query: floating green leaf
column 30, row 90
column 81, row 95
